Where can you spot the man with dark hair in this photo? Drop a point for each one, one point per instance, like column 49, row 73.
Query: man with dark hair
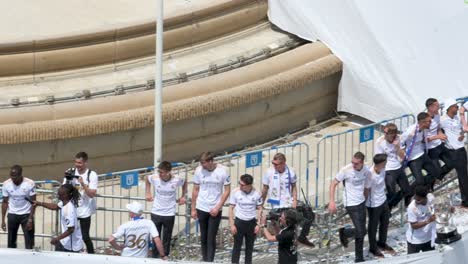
column 86, row 180
column 413, row 140
column 246, row 208
column 389, row 144
column 211, row 188
column 355, row 177
column 421, row 222
column 164, row 202
column 377, row 207
column 18, row 193
column 434, row 138
column 286, row 237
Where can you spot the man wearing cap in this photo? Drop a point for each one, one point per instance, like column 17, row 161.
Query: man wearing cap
column 453, row 128
column 137, row 234
column 20, row 211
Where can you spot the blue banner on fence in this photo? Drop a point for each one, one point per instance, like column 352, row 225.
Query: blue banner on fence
column 127, row 180
column 253, row 159
column 366, row 134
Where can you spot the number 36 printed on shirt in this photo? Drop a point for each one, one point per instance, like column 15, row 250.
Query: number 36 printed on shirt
column 139, row 242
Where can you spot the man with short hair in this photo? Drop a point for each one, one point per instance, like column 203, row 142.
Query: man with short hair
column 453, row 128
column 86, row 181
column 414, row 142
column 164, row 202
column 244, row 217
column 389, row 144
column 137, row 233
column 18, row 195
column 434, row 138
column 211, row 188
column 355, row 177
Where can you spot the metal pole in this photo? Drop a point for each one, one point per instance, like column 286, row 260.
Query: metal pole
column 158, row 83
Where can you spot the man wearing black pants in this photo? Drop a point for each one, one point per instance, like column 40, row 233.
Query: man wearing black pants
column 245, row 203
column 212, row 185
column 20, row 212
column 355, row 177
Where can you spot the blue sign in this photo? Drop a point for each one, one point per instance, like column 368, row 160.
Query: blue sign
column 127, row 180
column 253, row 159
column 366, row 134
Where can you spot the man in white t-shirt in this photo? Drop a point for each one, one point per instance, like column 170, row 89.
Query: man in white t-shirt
column 377, row 207
column 138, row 233
column 413, row 140
column 211, row 188
column 463, row 109
column 20, row 211
column 420, row 233
column 434, row 137
column 244, row 217
column 354, row 177
column 86, row 181
column 389, row 144
column 164, row 202
column 452, row 125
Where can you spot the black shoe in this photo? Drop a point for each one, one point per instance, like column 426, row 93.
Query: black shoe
column 305, row 242
column 359, row 260
column 387, row 248
column 343, row 238
column 377, row 253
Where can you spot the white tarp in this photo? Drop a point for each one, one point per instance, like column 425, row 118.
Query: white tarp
column 395, row 53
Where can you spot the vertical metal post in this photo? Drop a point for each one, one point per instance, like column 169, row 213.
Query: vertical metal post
column 158, row 83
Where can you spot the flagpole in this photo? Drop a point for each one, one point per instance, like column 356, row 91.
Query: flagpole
column 158, row 83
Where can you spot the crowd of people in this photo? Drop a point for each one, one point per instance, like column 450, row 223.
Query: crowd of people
column 367, row 190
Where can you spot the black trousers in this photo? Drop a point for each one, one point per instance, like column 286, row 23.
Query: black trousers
column 245, row 229
column 208, row 230
column 424, row 162
column 378, row 219
column 164, row 225
column 308, row 219
column 416, row 248
column 59, row 247
column 460, row 162
column 392, row 178
column 441, row 153
column 357, row 213
column 14, row 222
column 85, row 224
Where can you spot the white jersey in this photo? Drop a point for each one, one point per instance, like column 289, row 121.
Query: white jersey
column 417, row 144
column 376, row 184
column 137, row 234
column 245, row 204
column 433, row 131
column 382, row 146
column 16, row 194
column 420, row 213
column 87, row 205
column 165, row 195
column 453, row 128
column 354, row 182
column 279, row 187
column 211, row 186
column 68, row 218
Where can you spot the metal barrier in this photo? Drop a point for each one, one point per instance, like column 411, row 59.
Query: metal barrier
column 336, row 150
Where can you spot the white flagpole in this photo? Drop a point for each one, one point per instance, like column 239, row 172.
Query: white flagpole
column 158, row 83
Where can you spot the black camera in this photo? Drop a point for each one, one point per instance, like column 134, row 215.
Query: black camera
column 70, row 175
column 274, row 214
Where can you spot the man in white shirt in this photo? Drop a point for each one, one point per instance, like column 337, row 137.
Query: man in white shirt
column 164, row 202
column 86, row 181
column 20, row 211
column 354, row 177
column 421, row 225
column 453, row 128
column 246, row 208
column 138, row 233
column 211, row 188
column 414, row 142
column 377, row 207
column 389, row 144
column 434, row 137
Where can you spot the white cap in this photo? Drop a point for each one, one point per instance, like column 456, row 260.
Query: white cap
column 449, row 102
column 135, row 207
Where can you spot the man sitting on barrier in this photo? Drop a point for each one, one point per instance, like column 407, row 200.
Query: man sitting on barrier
column 137, row 234
column 164, row 202
column 18, row 194
column 355, row 177
column 280, row 184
